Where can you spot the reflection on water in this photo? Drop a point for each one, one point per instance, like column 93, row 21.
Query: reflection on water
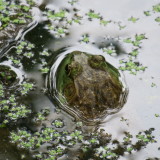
column 9, row 151
column 144, row 98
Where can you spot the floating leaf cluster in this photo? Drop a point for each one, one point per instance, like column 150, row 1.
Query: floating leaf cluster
column 131, row 64
column 72, row 2
column 101, row 144
column 11, row 110
column 133, row 19
column 109, row 50
column 41, row 116
column 11, row 107
column 155, row 10
column 85, row 38
column 13, row 13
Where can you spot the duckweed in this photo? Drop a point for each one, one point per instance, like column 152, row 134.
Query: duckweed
column 26, row 87
column 133, row 19
column 131, row 66
column 44, row 70
column 57, row 15
column 13, row 110
column 16, row 62
column 157, row 115
column 20, row 16
column 147, row 13
column 92, row 15
column 41, row 116
column 130, row 63
column 58, row 123
column 72, row 2
column 104, row 22
column 60, row 32
column 85, row 38
column 153, row 85
column 156, row 8
column 109, row 50
column 102, row 144
column 157, row 19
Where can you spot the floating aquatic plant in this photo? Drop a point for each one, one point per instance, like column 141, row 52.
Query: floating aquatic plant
column 26, row 87
column 157, row 115
column 92, row 15
column 157, row 19
column 20, row 13
column 44, row 70
column 57, row 15
column 58, row 123
column 156, row 8
column 72, row 2
column 133, row 19
column 102, row 144
column 104, row 22
column 85, row 38
column 41, row 116
column 12, row 110
column 147, row 13
column 109, row 50
column 131, row 65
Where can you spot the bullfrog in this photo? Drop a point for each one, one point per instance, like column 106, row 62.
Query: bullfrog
column 89, row 87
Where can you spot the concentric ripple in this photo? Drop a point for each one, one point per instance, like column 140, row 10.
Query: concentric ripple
column 86, row 86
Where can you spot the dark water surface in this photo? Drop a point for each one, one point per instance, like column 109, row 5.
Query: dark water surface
column 143, row 100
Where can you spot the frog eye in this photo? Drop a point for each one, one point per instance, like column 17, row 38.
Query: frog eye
column 96, row 59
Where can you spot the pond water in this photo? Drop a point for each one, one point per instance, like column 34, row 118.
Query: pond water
column 141, row 111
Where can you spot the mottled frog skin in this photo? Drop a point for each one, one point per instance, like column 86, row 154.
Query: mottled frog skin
column 90, row 86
